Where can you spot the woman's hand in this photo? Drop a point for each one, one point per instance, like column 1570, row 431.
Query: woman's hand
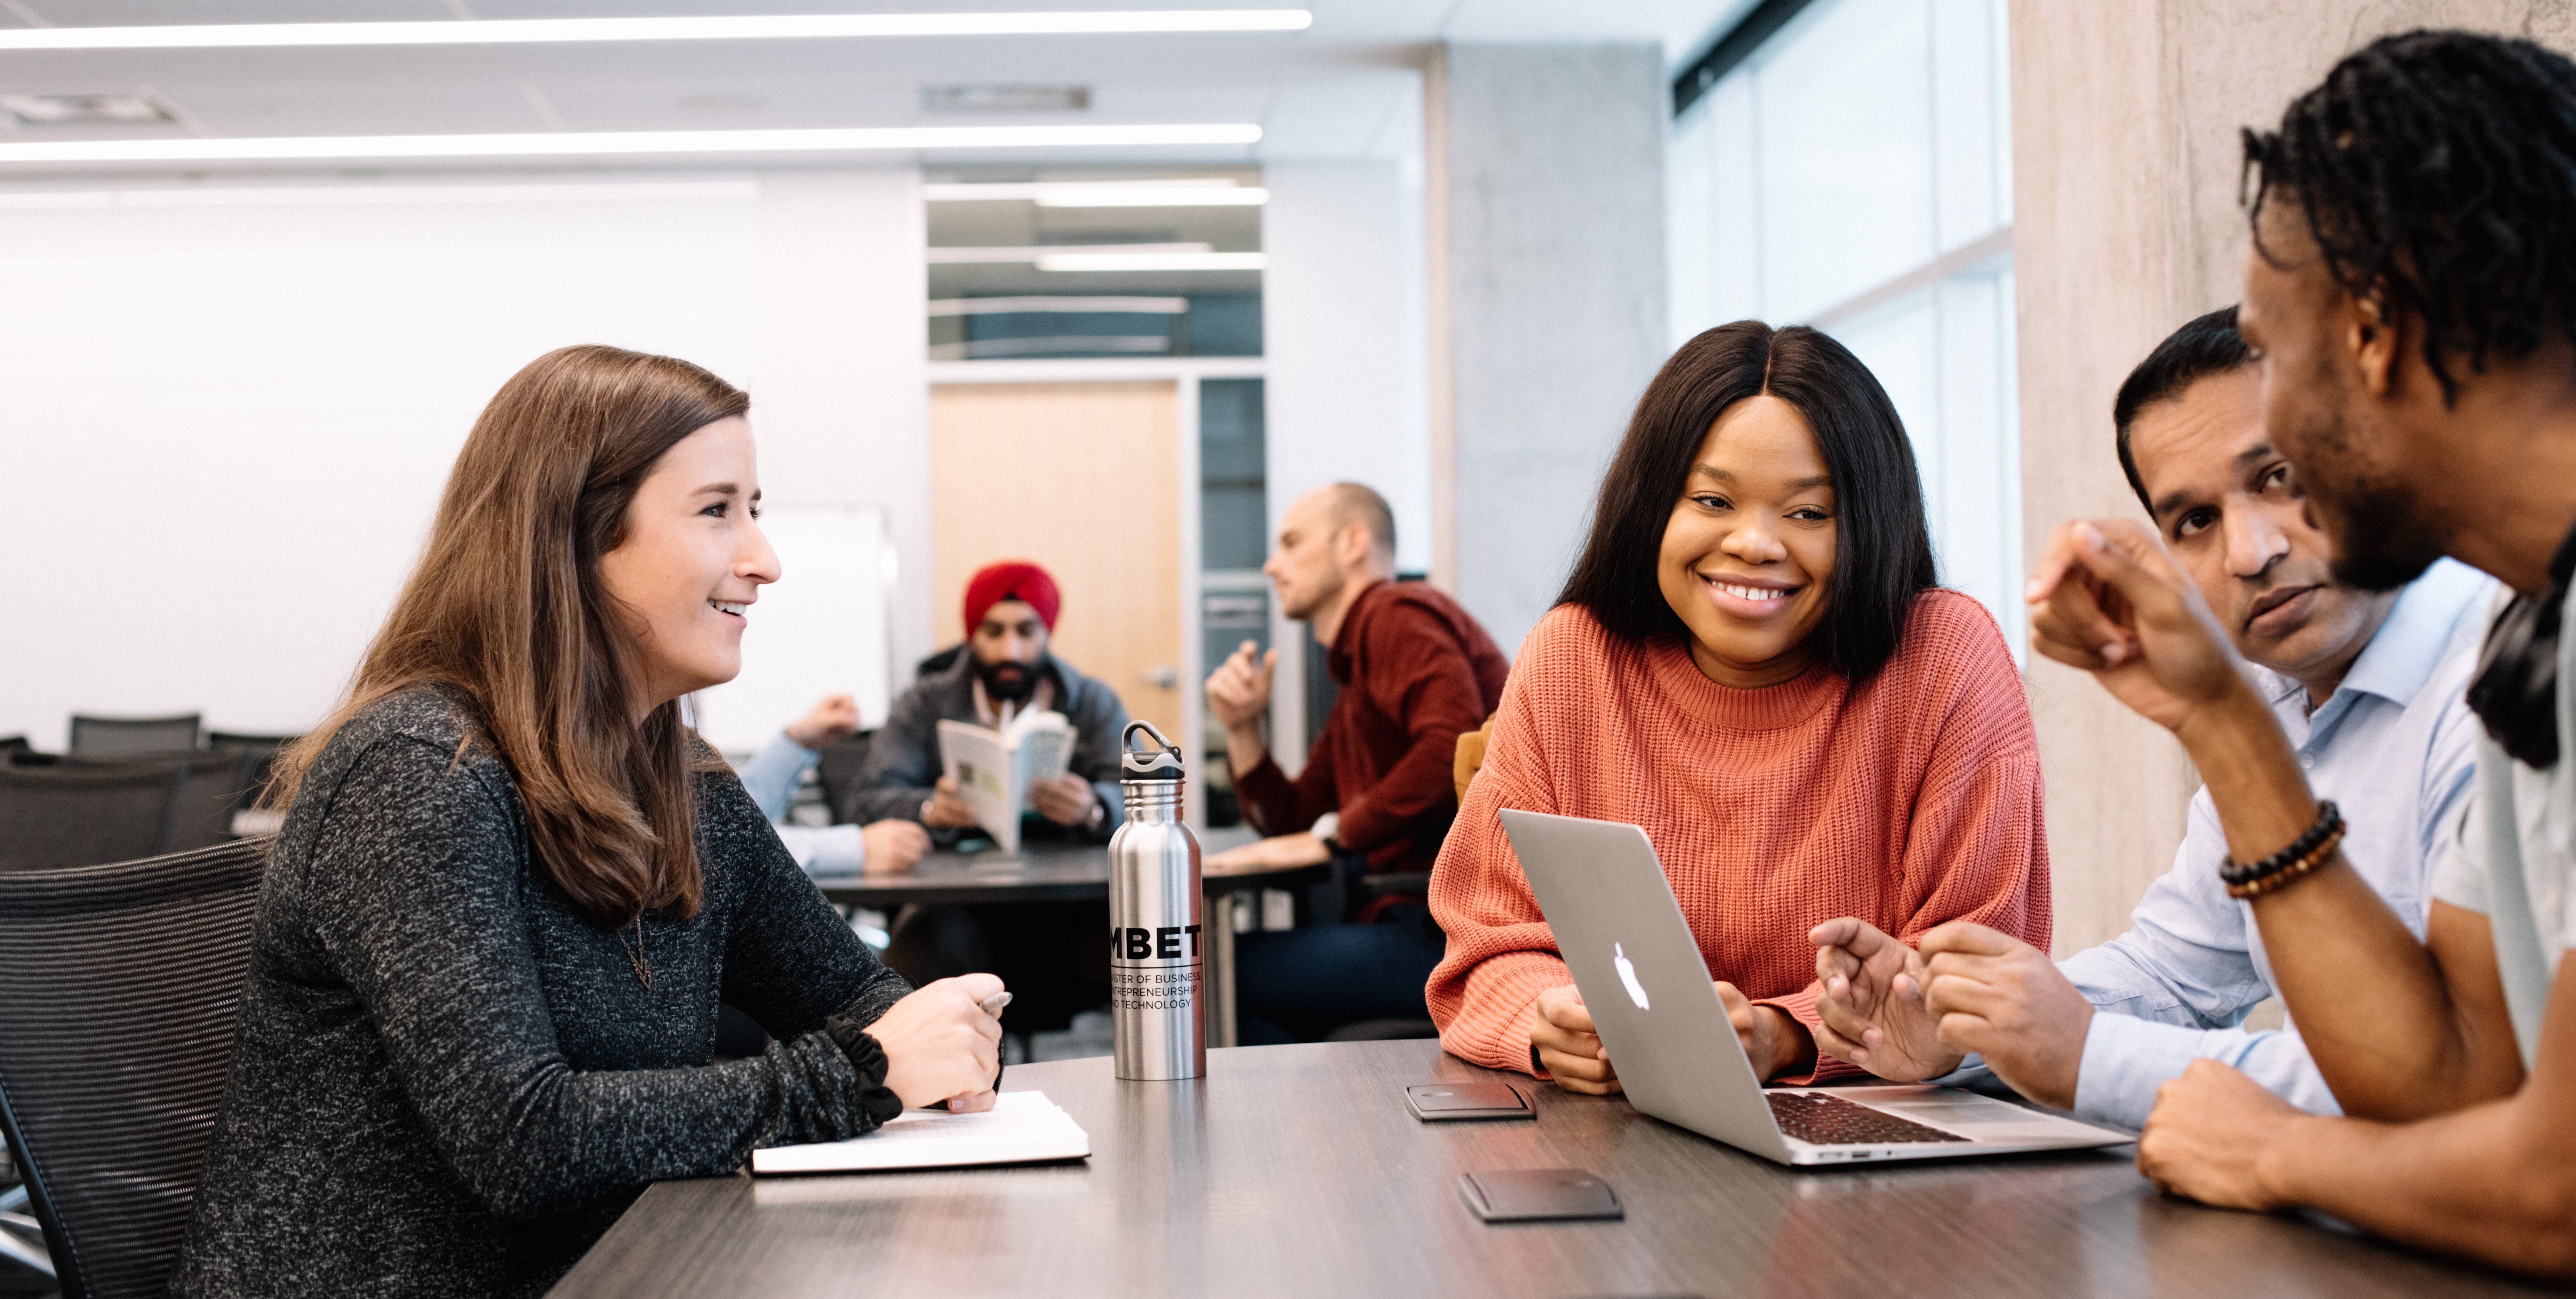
column 1869, row 1005
column 893, row 846
column 1568, row 1049
column 941, row 1046
column 1773, row 1039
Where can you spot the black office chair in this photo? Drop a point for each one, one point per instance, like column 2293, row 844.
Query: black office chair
column 243, row 740
column 80, row 816
column 119, row 989
column 838, row 774
column 266, row 746
column 206, row 789
column 15, row 744
column 125, row 737
column 205, row 793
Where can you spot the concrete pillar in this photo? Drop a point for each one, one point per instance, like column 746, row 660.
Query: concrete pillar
column 1544, row 169
column 2125, row 163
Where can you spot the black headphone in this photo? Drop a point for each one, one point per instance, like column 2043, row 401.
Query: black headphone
column 2516, row 690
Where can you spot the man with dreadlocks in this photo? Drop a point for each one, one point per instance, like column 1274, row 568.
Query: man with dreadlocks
column 2411, row 291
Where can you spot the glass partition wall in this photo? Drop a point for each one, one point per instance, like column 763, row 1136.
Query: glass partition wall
column 1853, row 172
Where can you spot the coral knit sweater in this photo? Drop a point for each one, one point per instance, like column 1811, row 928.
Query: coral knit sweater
column 1911, row 801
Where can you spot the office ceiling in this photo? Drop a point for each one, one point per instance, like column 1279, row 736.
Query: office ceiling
column 1345, row 88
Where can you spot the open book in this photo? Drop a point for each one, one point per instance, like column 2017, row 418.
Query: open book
column 994, row 769
column 1021, row 1128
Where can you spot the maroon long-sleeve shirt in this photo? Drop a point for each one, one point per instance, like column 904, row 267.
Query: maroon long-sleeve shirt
column 1416, row 672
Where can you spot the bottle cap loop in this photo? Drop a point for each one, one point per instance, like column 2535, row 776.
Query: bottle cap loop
column 1160, row 762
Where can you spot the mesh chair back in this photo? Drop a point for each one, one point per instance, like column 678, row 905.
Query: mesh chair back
column 237, row 740
column 79, row 816
column 205, row 792
column 124, row 737
column 120, row 986
column 264, row 747
column 838, row 773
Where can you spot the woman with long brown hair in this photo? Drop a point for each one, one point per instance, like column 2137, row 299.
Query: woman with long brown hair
column 512, row 886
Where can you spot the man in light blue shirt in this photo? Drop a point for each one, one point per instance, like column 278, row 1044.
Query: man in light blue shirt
column 772, row 775
column 2369, row 689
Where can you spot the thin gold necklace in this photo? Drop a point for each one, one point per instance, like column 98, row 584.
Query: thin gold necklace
column 635, row 955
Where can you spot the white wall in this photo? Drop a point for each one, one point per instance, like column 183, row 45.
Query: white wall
column 231, row 408
column 843, row 399
column 1342, row 327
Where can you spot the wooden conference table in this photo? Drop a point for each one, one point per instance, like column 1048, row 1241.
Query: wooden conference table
column 1295, row 1171
column 1072, row 872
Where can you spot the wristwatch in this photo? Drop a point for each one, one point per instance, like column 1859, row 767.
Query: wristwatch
column 1328, row 828
column 1099, row 813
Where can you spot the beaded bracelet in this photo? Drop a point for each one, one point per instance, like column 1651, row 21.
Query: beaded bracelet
column 2311, row 849
column 2329, row 817
column 2290, row 874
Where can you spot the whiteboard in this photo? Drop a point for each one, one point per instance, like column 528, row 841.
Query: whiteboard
column 820, row 629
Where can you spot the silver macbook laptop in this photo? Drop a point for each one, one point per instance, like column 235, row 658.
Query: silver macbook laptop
column 1641, row 975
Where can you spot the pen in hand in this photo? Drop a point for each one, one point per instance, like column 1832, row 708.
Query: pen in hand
column 993, row 1005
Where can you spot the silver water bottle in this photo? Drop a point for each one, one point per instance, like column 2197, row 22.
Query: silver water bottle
column 1157, row 949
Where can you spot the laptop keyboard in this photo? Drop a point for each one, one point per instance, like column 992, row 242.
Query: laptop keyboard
column 1832, row 1121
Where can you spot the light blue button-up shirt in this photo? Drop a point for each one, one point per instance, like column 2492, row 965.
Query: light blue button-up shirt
column 773, row 774
column 772, row 777
column 2395, row 747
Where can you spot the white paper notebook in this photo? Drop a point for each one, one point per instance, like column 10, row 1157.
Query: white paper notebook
column 1021, row 1128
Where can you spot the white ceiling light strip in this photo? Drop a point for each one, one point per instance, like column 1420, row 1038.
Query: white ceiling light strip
column 587, row 143
column 1153, row 262
column 1004, row 255
column 365, row 195
column 1177, row 192
column 1065, row 306
column 520, row 31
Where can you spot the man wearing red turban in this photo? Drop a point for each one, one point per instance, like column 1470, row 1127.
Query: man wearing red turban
column 1044, row 951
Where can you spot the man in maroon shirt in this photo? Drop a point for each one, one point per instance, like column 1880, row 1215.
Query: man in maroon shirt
column 1377, row 792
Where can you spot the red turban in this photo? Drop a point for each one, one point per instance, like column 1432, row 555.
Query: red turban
column 1012, row 579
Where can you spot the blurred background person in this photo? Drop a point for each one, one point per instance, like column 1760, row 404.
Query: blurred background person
column 1376, row 795
column 1048, row 952
column 886, row 846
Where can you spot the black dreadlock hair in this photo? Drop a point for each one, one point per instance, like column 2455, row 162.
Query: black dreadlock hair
column 2437, row 172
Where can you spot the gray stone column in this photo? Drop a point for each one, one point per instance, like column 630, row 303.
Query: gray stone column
column 1544, row 179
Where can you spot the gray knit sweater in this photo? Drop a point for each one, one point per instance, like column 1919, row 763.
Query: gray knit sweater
column 448, row 1081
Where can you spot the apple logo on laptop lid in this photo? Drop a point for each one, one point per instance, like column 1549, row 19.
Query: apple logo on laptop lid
column 1628, row 975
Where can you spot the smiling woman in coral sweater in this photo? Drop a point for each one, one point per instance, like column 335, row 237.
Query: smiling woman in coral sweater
column 1752, row 662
